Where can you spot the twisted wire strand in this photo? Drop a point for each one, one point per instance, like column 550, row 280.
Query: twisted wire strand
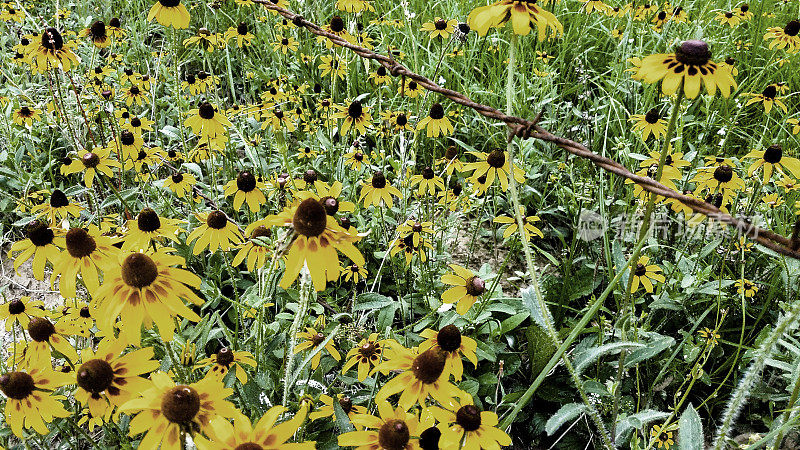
column 525, row 129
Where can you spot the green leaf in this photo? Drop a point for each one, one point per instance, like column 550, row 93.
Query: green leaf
column 511, row 323
column 653, row 348
column 637, row 421
column 563, row 415
column 587, row 357
column 342, row 421
column 690, row 430
column 371, row 300
column 538, row 316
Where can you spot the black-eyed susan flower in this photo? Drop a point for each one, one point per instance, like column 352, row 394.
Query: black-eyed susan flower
column 422, row 376
column 88, row 252
column 356, row 159
column 354, row 273
column 511, row 227
column 46, row 336
column 464, row 424
column 436, row 122
column 30, row 402
column 650, row 123
column 662, row 437
column 306, row 153
column 730, row 18
column 77, row 319
column 716, row 178
column 768, row 97
column 135, row 95
column 215, row 232
column 380, row 76
column 149, row 227
column 246, row 188
column 319, row 237
column 180, row 184
column 279, row 120
column 378, row 191
column 784, row 38
column 170, row 13
column 598, row 6
column 12, row 13
column 166, row 407
column 338, row 27
column 345, row 402
column 744, row 11
column 208, row 122
column 410, row 88
column 241, row 33
column 20, row 311
column 285, row 44
column 367, row 354
column 146, row 288
column 439, row 28
column 27, row 116
column 454, row 344
column 416, row 232
column 41, row 243
column 356, row 116
column 97, row 34
column 332, row 199
column 687, row 67
column 106, row 378
column 645, row 275
column 354, row 6
column 205, row 40
column 226, row 359
column 494, row 165
column 395, row 429
column 673, row 163
column 773, row 160
column 710, row 337
column 242, row 435
column 523, row 16
column 406, row 246
column 332, row 65
column 254, row 250
column 311, row 339
column 746, row 287
column 427, row 182
column 52, row 52
column 772, row 200
column 466, row 288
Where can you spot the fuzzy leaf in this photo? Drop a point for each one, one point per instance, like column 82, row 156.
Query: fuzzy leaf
column 563, row 415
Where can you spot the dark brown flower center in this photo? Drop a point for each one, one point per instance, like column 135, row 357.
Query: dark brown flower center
column 770, row 92
column 40, row 329
column 310, row 218
column 310, row 176
column 440, row 24
column 260, row 231
column 246, row 181
column 225, row 357
column 84, row 312
column 451, row 152
column 729, row 14
column 169, row 3
column 202, row 75
column 148, row 220
column 180, row 404
column 17, row 385
column 427, row 173
column 792, row 28
column 242, row 28
column 469, row 417
column 98, row 29
column 249, row 446
column 744, row 8
column 693, row 53
column 412, row 85
column 217, row 220
column 640, row 270
column 346, row 403
column 449, row 338
column 177, row 178
column 773, row 154
column 652, row 116
column 429, row 365
column 114, row 22
column 16, row 306
column 378, row 180
column 139, row 270
column 206, row 111
column 437, row 111
column 358, row 156
column 39, row 233
column 369, row 349
column 393, row 435
column 95, row 375
column 476, row 286
column 90, row 160
column 127, row 137
column 134, row 90
column 317, row 339
column 52, row 40
column 401, row 119
column 723, row 173
column 25, row 112
column 79, row 243
column 496, row 159
column 337, row 24
column 284, row 41
column 381, row 71
column 355, row 110
column 429, row 439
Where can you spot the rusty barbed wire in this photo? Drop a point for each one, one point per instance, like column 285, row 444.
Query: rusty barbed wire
column 525, row 129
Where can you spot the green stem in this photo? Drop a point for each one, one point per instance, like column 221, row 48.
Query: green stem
column 306, row 290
